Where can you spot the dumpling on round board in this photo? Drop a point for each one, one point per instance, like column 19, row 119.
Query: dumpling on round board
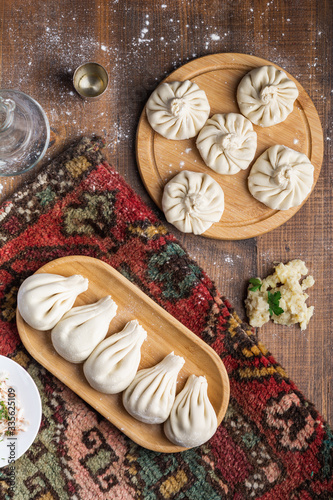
column 177, row 110
column 192, row 201
column 266, row 96
column 227, row 143
column 281, row 178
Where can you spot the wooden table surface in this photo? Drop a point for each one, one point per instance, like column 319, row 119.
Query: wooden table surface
column 140, row 42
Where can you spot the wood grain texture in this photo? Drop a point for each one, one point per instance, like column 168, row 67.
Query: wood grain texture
column 200, row 359
column 42, row 42
column 160, row 159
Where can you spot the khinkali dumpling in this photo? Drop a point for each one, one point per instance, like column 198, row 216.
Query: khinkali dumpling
column 82, row 328
column 192, row 201
column 44, row 298
column 177, row 110
column 227, row 143
column 150, row 396
column 281, row 178
column 266, row 96
column 192, row 420
column 112, row 366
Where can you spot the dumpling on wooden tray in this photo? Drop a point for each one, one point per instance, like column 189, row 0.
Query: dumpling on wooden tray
column 82, row 329
column 112, row 366
column 44, row 298
column 192, row 420
column 150, row 396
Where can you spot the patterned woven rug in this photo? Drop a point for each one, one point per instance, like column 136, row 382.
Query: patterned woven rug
column 272, row 444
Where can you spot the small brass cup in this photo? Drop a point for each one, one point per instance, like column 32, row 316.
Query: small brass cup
column 90, row 80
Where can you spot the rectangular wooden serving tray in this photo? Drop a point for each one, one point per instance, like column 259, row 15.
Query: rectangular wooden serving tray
column 165, row 334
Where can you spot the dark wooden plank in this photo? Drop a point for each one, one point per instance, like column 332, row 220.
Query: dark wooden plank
column 140, row 42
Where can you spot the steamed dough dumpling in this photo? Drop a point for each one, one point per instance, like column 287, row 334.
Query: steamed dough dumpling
column 281, row 178
column 44, row 298
column 150, row 396
column 82, row 328
column 192, row 201
column 177, row 110
column 112, row 366
column 227, row 143
column 192, row 420
column 266, row 96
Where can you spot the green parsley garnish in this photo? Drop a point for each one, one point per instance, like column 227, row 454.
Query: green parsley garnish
column 256, row 282
column 273, row 302
column 3, row 411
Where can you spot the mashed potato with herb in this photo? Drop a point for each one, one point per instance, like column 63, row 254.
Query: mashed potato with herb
column 281, row 291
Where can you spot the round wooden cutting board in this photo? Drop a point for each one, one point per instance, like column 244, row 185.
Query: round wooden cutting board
column 160, row 159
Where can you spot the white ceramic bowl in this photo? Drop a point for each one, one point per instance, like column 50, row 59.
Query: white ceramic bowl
column 29, row 399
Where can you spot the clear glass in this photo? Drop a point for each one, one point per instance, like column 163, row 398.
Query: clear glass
column 24, row 132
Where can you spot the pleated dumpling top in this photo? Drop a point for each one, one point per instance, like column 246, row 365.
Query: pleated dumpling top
column 281, row 178
column 266, row 96
column 227, row 143
column 192, row 201
column 177, row 110
column 44, row 298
